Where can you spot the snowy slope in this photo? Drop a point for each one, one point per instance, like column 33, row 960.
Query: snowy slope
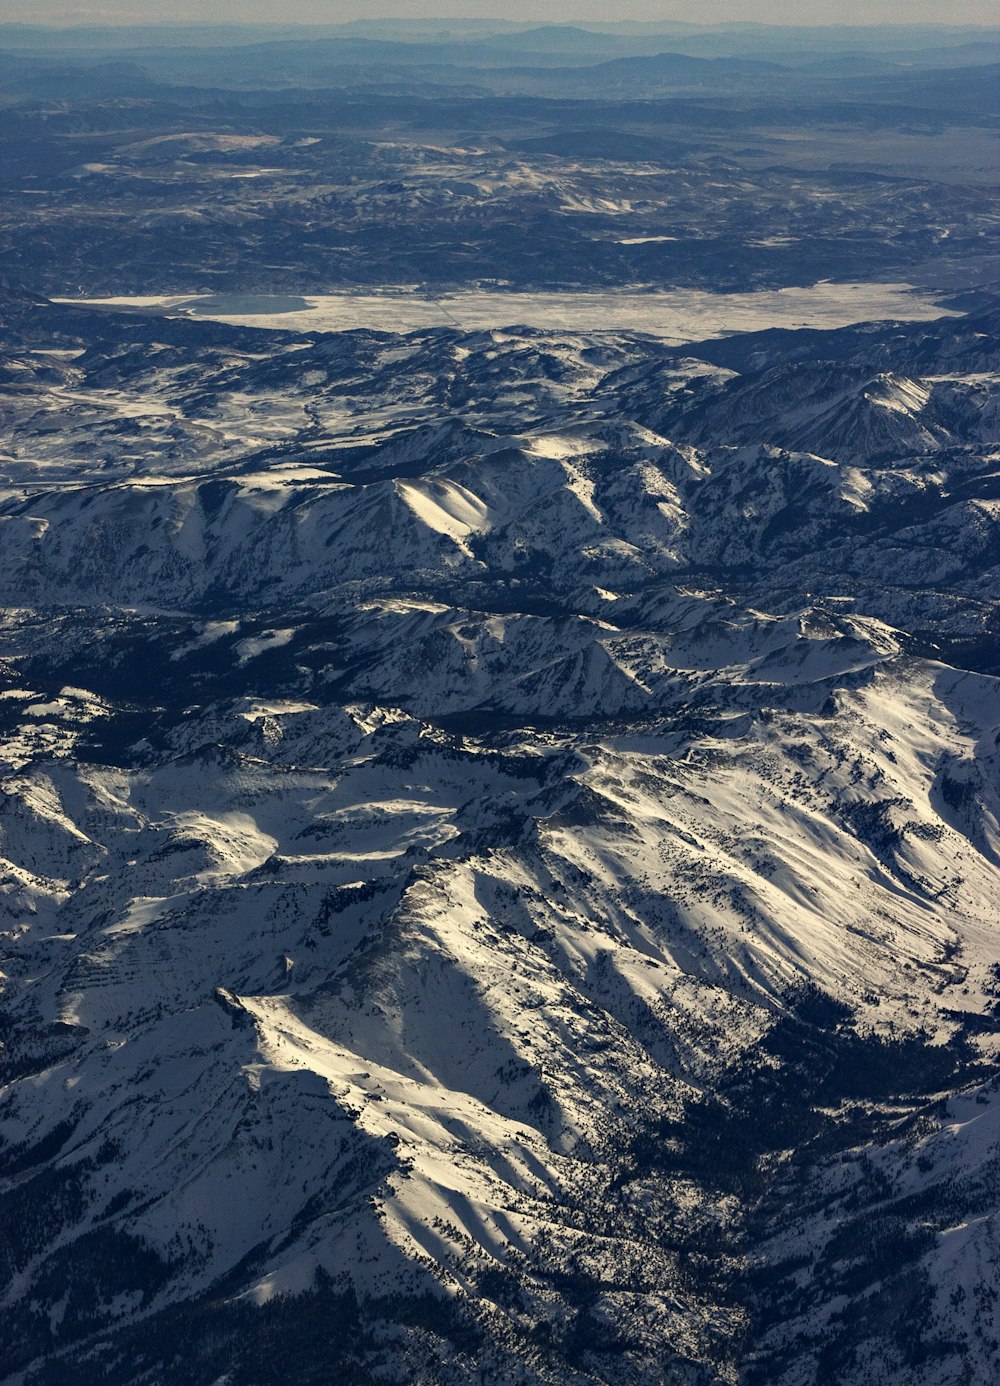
column 499, row 852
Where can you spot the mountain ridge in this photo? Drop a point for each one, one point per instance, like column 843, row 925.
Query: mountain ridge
column 472, row 862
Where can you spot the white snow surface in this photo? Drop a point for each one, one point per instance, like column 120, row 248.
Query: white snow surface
column 679, row 315
column 475, row 779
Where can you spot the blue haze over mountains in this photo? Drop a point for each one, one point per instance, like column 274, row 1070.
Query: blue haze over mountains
column 500, row 813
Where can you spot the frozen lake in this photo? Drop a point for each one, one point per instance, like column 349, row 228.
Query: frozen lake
column 678, row 315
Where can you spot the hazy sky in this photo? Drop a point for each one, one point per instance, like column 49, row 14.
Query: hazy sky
column 333, row 11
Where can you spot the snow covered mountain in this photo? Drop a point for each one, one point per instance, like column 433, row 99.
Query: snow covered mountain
column 499, row 855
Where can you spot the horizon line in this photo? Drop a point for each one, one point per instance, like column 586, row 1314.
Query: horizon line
column 526, row 25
